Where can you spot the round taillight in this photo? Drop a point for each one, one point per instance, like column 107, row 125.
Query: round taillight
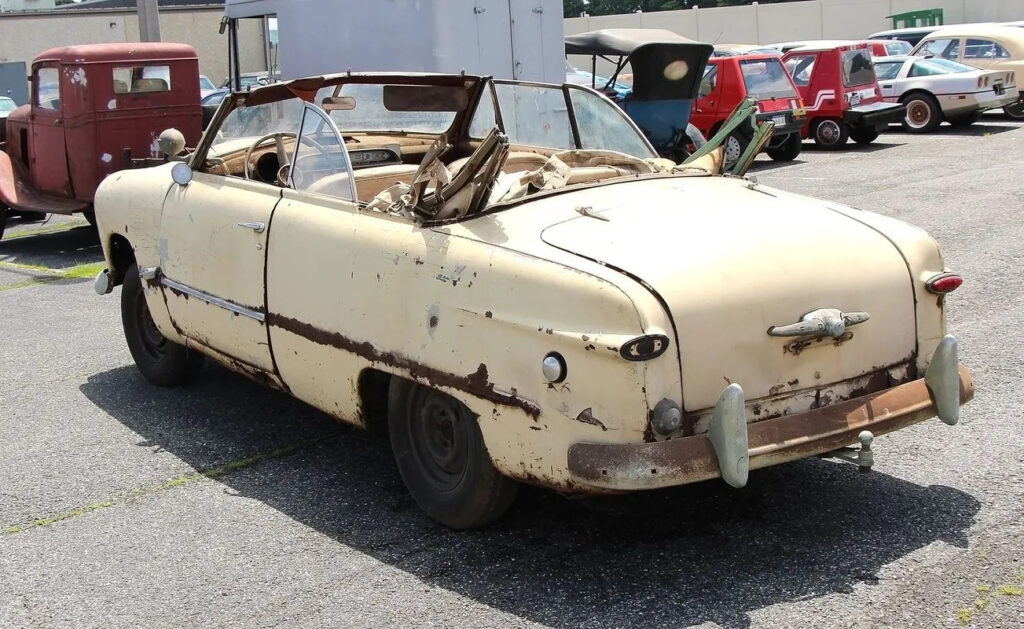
column 944, row 283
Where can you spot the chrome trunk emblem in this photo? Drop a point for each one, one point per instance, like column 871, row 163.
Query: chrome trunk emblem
column 821, row 322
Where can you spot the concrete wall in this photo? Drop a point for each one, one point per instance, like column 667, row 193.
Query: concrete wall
column 24, row 35
column 814, row 19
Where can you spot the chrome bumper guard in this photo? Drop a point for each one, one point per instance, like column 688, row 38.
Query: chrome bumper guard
column 731, row 447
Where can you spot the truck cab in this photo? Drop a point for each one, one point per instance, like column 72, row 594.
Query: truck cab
column 843, row 99
column 94, row 110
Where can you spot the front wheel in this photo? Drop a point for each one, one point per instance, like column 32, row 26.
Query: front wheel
column 831, row 134
column 162, row 362
column 3, row 219
column 787, row 149
column 33, row 217
column 442, row 458
column 1015, row 111
column 864, row 135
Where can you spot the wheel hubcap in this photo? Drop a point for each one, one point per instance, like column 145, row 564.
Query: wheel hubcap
column 732, row 150
column 828, row 132
column 918, row 114
column 440, row 441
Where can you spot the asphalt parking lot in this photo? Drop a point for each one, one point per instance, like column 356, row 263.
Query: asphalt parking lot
column 224, row 503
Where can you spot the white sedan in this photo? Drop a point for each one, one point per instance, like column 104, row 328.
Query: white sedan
column 935, row 89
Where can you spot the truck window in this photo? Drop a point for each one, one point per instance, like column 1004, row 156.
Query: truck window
column 47, row 89
column 857, row 68
column 142, row 79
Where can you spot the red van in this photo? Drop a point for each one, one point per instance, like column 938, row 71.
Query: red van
column 95, row 109
column 838, row 84
column 728, row 80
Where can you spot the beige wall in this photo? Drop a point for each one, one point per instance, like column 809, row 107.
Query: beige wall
column 23, row 36
column 814, row 19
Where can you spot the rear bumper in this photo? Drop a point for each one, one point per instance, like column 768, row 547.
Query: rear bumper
column 792, row 122
column 877, row 115
column 627, row 467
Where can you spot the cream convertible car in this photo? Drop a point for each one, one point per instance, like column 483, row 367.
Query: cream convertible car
column 508, row 273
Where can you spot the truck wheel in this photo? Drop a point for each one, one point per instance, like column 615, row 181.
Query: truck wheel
column 864, row 135
column 831, row 134
column 1015, row 111
column 787, row 149
column 923, row 113
column 442, row 458
column 161, row 361
column 964, row 120
column 3, row 219
column 91, row 217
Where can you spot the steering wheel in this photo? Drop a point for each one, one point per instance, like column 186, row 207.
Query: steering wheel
column 284, row 174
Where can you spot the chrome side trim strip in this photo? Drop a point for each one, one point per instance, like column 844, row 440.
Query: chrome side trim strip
column 210, row 299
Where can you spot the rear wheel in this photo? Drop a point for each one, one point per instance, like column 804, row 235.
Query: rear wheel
column 3, row 219
column 787, row 149
column 964, row 120
column 864, row 135
column 923, row 113
column 442, row 458
column 1015, row 111
column 830, row 133
column 162, row 362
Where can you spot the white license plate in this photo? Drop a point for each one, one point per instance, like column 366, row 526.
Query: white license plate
column 780, row 121
column 855, row 98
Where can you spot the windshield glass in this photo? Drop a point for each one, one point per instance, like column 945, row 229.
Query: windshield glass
column 857, row 68
column 206, row 84
column 887, row 69
column 250, row 123
column 370, row 113
column 898, row 47
column 6, row 104
column 767, row 78
column 945, row 66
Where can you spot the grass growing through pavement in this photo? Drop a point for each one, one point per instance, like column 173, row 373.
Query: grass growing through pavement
column 217, row 471
column 82, row 271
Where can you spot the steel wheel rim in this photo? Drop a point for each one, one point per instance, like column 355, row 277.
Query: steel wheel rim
column 828, row 132
column 918, row 114
column 440, row 440
column 153, row 343
column 732, row 150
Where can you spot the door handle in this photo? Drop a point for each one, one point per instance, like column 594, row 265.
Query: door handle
column 256, row 226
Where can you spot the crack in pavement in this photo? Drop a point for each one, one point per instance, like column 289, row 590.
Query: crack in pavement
column 209, row 473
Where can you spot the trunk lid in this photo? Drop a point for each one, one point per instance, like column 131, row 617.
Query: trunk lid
column 757, row 258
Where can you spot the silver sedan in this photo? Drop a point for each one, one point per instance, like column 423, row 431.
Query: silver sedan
column 935, row 89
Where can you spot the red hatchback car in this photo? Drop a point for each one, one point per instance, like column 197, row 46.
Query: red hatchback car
column 843, row 99
column 728, row 80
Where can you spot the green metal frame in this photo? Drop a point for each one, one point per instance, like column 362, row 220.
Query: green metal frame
column 911, row 19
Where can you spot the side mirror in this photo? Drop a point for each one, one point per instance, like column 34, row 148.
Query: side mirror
column 181, row 173
column 171, row 142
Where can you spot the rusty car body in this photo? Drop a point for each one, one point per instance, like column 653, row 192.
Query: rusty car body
column 509, row 275
column 94, row 109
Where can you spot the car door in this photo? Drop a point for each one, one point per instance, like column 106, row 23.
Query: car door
column 705, row 108
column 48, row 156
column 213, row 246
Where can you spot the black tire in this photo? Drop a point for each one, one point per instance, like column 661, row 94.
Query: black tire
column 964, row 120
column 923, row 113
column 3, row 219
column 864, row 135
column 830, row 133
column 786, row 150
column 1015, row 111
column 90, row 216
column 442, row 458
column 32, row 217
column 161, row 361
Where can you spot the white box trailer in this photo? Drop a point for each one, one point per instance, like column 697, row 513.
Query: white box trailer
column 511, row 39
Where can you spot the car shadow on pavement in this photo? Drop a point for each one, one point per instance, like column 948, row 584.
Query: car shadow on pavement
column 852, row 147
column 673, row 557
column 55, row 250
column 978, row 129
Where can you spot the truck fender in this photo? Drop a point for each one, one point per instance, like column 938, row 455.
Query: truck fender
column 8, row 189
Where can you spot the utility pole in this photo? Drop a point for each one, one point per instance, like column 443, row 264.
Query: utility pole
column 149, row 20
